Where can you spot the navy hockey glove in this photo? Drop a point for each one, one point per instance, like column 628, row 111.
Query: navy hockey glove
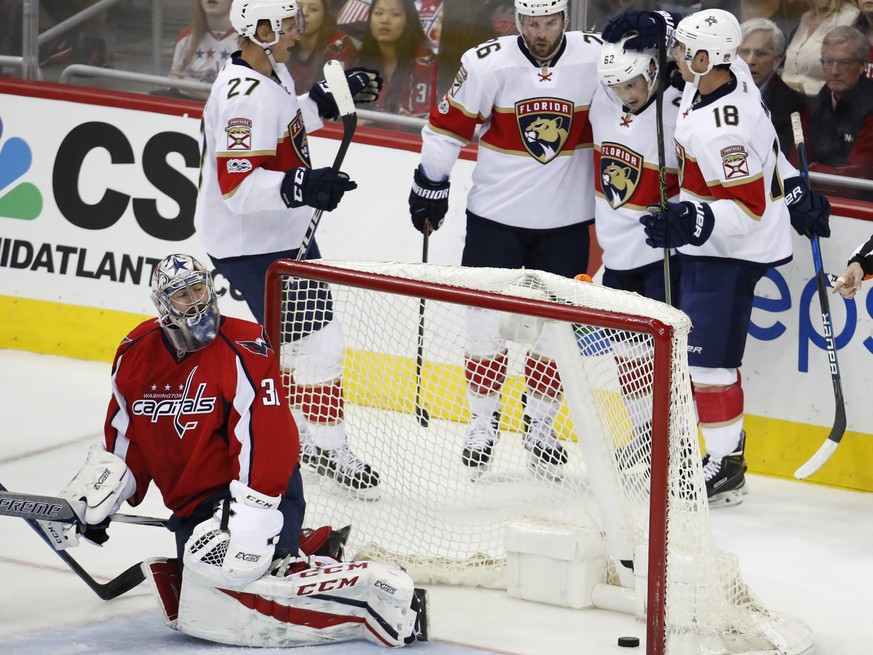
column 647, row 25
column 364, row 86
column 428, row 200
column 320, row 188
column 809, row 210
column 684, row 223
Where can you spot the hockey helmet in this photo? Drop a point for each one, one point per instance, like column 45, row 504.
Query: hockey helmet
column 619, row 66
column 183, row 293
column 714, row 30
column 245, row 14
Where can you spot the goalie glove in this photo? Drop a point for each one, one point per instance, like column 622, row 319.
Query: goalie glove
column 684, row 223
column 236, row 545
column 319, row 188
column 428, row 200
column 809, row 210
column 96, row 492
column 364, row 86
column 648, row 26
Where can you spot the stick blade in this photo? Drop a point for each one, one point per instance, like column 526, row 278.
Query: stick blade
column 335, row 76
column 817, row 461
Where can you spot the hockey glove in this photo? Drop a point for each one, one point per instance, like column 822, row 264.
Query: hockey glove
column 319, row 188
column 364, row 86
column 648, row 25
column 428, row 201
column 96, row 492
column 809, row 210
column 684, row 223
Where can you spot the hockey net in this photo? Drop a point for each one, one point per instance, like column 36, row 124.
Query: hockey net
column 622, row 363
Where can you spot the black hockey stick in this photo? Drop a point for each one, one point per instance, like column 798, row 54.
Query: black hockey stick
column 662, row 159
column 336, row 80
column 119, row 585
column 59, row 510
column 421, row 412
column 830, row 445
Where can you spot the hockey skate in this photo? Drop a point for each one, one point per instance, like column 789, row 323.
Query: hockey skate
column 547, row 455
column 726, row 478
column 344, row 467
column 481, row 438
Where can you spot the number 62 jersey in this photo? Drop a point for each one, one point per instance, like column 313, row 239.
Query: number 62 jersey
column 728, row 156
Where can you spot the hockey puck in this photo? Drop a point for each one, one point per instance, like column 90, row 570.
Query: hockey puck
column 628, row 642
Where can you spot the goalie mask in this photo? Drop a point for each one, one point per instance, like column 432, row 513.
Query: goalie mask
column 630, row 75
column 187, row 305
column 714, row 30
column 541, row 32
column 245, row 14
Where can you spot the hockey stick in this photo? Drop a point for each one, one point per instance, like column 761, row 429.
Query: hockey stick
column 421, row 412
column 53, row 508
column 830, row 445
column 119, row 585
column 335, row 76
column 662, row 159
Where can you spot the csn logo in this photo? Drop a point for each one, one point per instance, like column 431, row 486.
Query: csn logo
column 21, row 200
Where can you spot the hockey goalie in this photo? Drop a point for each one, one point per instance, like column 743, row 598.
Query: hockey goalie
column 196, row 408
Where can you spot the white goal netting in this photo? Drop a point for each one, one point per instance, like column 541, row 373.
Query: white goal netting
column 606, row 368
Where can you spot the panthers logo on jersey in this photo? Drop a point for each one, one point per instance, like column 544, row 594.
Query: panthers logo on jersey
column 544, row 124
column 735, row 161
column 299, row 141
column 680, row 159
column 620, row 172
column 239, row 134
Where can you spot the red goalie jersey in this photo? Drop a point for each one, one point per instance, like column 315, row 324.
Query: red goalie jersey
column 194, row 423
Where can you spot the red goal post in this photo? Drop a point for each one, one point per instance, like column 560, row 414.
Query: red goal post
column 655, row 513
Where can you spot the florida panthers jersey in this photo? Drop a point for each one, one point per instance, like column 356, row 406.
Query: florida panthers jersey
column 535, row 160
column 627, row 179
column 728, row 156
column 254, row 129
column 195, row 423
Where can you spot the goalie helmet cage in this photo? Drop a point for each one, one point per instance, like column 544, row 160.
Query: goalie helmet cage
column 610, row 367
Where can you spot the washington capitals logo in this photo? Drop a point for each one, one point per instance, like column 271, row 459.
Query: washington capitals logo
column 620, row 172
column 257, row 347
column 178, row 264
column 544, row 124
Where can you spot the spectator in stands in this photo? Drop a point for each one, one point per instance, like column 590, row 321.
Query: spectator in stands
column 203, row 46
column 802, row 68
column 395, row 45
column 763, row 49
column 841, row 115
column 321, row 41
column 65, row 48
column 786, row 15
column 864, row 24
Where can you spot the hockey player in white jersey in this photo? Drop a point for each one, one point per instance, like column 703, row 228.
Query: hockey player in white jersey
column 257, row 192
column 627, row 181
column 730, row 226
column 530, row 204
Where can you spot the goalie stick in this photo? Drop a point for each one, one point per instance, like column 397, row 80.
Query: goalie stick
column 57, row 509
column 839, row 427
column 335, row 76
column 119, row 585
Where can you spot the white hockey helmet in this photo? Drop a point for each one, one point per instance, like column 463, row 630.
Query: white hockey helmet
column 245, row 14
column 189, row 325
column 618, row 66
column 714, row 30
column 540, row 7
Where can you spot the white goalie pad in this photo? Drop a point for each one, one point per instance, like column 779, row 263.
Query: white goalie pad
column 321, row 604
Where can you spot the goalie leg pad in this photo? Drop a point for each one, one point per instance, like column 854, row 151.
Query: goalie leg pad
column 324, row 604
column 165, row 580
